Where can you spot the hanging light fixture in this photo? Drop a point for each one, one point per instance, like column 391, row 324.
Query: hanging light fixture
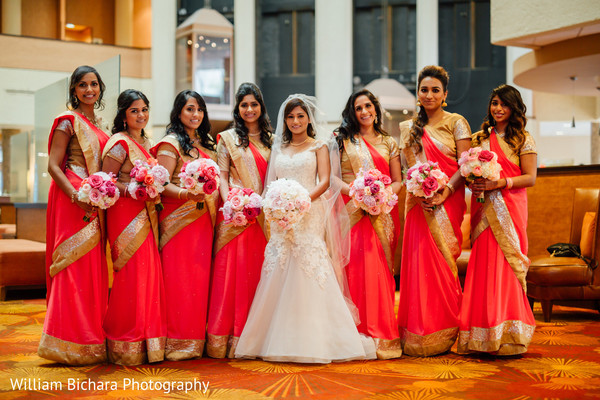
column 573, row 79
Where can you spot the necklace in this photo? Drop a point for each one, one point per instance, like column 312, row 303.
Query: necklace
column 298, row 144
column 254, row 134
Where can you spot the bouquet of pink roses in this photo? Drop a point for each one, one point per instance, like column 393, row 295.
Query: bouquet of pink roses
column 371, row 191
column 242, row 207
column 425, row 179
column 148, row 181
column 99, row 190
column 478, row 163
column 200, row 176
column 286, row 202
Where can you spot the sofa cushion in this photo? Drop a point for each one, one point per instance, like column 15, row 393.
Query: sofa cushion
column 22, row 262
column 559, row 271
column 588, row 231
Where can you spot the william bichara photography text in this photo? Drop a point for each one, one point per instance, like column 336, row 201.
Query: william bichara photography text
column 125, row 384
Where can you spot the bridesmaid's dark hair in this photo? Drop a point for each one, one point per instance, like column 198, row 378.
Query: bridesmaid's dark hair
column 176, row 126
column 421, row 119
column 126, row 98
column 350, row 125
column 515, row 130
column 286, row 136
column 264, row 123
column 76, row 76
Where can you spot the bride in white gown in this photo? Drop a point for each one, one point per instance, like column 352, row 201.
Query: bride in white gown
column 299, row 312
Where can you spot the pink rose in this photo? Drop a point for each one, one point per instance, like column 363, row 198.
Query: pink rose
column 477, row 171
column 189, row 182
column 95, row 181
column 290, row 206
column 148, row 180
column 375, row 210
column 374, row 188
column 386, row 180
column 111, row 190
column 95, row 196
column 359, row 196
column 239, row 219
column 369, row 201
column 210, row 186
column 369, row 181
column 210, row 172
column 233, row 192
column 151, row 191
column 247, row 191
column 430, row 186
column 141, row 174
column 140, row 193
column 236, row 202
column 486, row 156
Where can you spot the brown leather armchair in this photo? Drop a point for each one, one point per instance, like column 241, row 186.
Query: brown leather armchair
column 553, row 279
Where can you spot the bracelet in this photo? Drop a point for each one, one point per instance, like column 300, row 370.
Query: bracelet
column 451, row 187
column 179, row 193
column 73, row 194
column 509, row 183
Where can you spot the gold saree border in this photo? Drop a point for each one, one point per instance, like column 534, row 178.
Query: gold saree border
column 181, row 217
column 221, row 346
column 130, row 240
column 70, row 353
column 438, row 222
column 508, row 338
column 183, row 349
column 88, row 140
column 75, row 247
column 387, row 349
column 506, row 235
column 428, row 345
column 136, row 353
column 383, row 224
column 245, row 165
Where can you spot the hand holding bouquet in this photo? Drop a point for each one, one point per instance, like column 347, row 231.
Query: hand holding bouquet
column 286, row 202
column 148, row 181
column 478, row 163
column 200, row 177
column 99, row 190
column 425, row 179
column 242, row 207
column 372, row 192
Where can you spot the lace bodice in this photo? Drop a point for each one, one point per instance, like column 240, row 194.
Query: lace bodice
column 301, row 241
column 301, row 167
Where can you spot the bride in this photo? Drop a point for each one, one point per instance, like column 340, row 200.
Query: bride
column 299, row 312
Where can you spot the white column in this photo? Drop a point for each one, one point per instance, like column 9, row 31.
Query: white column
column 124, row 23
column 244, row 42
column 11, row 17
column 164, row 21
column 333, row 55
column 427, row 33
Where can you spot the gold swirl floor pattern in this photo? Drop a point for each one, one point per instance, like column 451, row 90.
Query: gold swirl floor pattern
column 563, row 362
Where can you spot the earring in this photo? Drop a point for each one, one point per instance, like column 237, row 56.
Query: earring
column 125, row 125
column 418, row 103
column 444, row 104
column 376, row 120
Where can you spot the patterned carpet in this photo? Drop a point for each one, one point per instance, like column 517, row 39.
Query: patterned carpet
column 563, row 362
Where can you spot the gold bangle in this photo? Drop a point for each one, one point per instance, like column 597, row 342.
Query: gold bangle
column 451, row 187
column 179, row 194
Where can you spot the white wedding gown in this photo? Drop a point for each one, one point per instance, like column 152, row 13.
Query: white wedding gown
column 299, row 313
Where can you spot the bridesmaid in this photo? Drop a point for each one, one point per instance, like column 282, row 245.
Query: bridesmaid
column 76, row 271
column 364, row 144
column 495, row 313
column 186, row 233
column 430, row 292
column 243, row 153
column 135, row 323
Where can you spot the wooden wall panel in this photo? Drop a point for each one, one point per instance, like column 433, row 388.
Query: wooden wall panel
column 551, row 204
column 39, row 18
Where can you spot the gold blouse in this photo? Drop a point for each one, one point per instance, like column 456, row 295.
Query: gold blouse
column 224, row 159
column 444, row 134
column 169, row 146
column 528, row 147
column 119, row 154
column 386, row 147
